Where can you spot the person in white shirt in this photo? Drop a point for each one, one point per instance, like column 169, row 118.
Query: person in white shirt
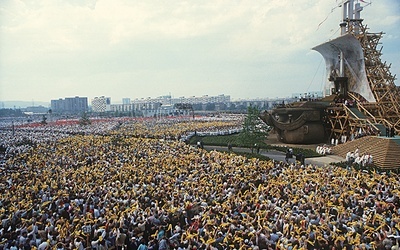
column 78, row 243
column 44, row 246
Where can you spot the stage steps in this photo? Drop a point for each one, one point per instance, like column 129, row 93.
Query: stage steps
column 384, row 150
column 381, row 128
column 358, row 113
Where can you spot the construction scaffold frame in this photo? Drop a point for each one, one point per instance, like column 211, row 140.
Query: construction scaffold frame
column 379, row 115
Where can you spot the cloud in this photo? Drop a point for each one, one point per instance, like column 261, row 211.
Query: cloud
column 185, row 47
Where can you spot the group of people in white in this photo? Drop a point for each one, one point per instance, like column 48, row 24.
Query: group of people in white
column 360, row 159
column 324, row 150
column 351, row 157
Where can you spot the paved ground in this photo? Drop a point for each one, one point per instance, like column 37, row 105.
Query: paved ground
column 280, row 156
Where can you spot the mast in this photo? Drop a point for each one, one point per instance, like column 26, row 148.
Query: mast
column 347, row 6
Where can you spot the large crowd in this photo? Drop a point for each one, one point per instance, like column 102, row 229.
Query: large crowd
column 138, row 186
column 23, row 137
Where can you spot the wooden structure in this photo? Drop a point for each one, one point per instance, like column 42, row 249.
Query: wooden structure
column 385, row 150
column 361, row 97
column 365, row 117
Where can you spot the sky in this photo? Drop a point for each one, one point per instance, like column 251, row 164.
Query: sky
column 51, row 49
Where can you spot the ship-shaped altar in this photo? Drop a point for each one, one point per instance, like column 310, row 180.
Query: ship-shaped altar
column 360, row 96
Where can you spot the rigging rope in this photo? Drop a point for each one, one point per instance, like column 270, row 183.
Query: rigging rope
column 308, row 88
column 334, row 8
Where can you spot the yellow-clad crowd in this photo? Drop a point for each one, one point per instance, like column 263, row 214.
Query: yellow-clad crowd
column 122, row 189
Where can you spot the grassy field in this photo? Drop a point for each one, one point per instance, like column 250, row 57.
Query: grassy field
column 223, row 140
column 308, row 153
column 234, row 140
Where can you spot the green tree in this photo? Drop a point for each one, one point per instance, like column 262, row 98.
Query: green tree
column 11, row 112
column 84, row 119
column 210, row 106
column 44, row 120
column 254, row 130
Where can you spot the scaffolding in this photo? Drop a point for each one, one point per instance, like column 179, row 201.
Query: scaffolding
column 360, row 96
column 379, row 115
column 381, row 81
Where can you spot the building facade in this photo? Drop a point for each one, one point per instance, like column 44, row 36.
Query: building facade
column 167, row 105
column 126, row 101
column 70, row 105
column 101, row 104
